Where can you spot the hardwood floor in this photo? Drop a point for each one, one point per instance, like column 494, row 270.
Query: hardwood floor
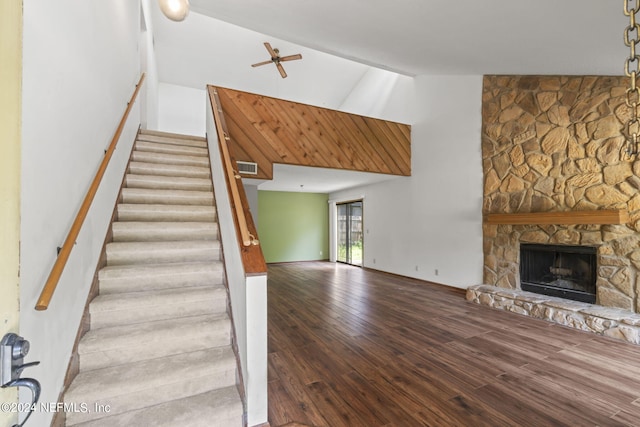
column 352, row 347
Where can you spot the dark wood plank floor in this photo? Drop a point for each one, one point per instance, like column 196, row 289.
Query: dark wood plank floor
column 351, row 347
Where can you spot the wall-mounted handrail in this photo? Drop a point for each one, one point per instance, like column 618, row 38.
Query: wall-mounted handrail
column 63, row 256
column 223, row 137
column 253, row 258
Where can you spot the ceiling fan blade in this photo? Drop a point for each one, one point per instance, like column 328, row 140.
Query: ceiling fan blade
column 270, row 49
column 281, row 69
column 291, row 57
column 262, row 63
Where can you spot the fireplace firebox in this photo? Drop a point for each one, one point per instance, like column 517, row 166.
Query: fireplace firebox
column 561, row 271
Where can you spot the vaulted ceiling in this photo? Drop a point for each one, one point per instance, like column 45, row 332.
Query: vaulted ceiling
column 341, row 40
column 416, row 37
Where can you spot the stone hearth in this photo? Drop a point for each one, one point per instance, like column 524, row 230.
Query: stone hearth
column 554, row 144
column 612, row 322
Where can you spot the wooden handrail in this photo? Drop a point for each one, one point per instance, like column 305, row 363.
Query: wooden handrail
column 252, row 256
column 61, row 261
column 223, row 137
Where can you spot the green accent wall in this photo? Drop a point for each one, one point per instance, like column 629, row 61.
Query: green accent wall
column 293, row 226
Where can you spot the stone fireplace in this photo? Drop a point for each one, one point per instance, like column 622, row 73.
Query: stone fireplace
column 553, row 144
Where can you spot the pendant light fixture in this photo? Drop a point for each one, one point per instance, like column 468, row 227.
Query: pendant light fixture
column 176, row 10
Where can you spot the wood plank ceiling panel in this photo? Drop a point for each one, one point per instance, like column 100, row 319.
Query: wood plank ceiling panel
column 246, row 149
column 267, row 130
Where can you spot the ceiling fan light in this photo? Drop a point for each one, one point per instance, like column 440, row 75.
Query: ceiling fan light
column 176, row 10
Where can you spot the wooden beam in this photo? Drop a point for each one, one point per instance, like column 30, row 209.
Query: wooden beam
column 619, row 216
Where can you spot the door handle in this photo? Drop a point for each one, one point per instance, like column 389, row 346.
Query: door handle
column 13, row 349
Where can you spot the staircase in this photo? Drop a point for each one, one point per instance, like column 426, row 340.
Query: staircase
column 158, row 351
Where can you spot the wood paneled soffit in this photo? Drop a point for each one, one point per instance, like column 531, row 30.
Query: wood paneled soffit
column 267, row 130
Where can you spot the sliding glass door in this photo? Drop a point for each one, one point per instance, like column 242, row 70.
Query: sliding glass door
column 350, row 232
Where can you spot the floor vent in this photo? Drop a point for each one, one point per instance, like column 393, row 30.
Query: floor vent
column 247, row 168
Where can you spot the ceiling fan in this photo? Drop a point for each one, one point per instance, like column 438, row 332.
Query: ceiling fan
column 277, row 59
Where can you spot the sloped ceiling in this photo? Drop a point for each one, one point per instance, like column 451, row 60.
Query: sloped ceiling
column 220, row 39
column 267, row 130
column 469, row 37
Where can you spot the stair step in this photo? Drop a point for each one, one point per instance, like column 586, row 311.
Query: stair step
column 150, row 382
column 172, row 138
column 167, row 182
column 125, row 344
column 166, row 213
column 159, row 351
column 138, row 231
column 128, row 253
column 137, row 278
column 148, row 306
column 216, row 408
column 141, row 168
column 167, row 197
column 170, row 159
column 183, row 150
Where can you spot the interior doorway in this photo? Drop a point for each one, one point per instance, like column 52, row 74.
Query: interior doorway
column 350, row 242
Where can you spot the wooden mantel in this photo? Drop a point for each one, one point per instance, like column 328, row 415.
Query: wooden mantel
column 619, row 216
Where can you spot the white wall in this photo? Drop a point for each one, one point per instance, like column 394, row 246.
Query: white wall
column 252, row 198
column 248, row 294
column 182, row 110
column 148, row 64
column 433, row 219
column 80, row 68
column 382, row 94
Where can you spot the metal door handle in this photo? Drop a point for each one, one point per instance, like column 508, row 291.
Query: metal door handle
column 32, row 385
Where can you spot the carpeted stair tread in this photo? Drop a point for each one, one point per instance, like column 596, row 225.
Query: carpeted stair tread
column 141, row 231
column 124, row 344
column 167, row 197
column 123, row 336
column 172, row 138
column 126, row 253
column 158, row 351
column 137, row 278
column 170, row 159
column 168, row 148
column 216, row 408
column 165, row 212
column 167, row 182
column 142, row 168
column 117, row 309
column 150, row 382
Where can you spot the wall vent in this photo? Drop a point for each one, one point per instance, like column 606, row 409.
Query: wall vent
column 247, row 168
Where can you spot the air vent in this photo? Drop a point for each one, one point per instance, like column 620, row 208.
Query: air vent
column 247, row 168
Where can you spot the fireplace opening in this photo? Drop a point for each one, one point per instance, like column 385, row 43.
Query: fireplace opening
column 561, row 271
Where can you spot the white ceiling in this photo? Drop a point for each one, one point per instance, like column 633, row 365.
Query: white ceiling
column 315, row 180
column 340, row 39
column 442, row 36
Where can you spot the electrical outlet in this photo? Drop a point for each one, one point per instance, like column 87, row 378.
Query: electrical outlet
column 374, row 260
column 416, row 268
column 436, row 271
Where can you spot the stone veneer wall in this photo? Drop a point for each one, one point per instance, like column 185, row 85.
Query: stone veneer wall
column 554, row 143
